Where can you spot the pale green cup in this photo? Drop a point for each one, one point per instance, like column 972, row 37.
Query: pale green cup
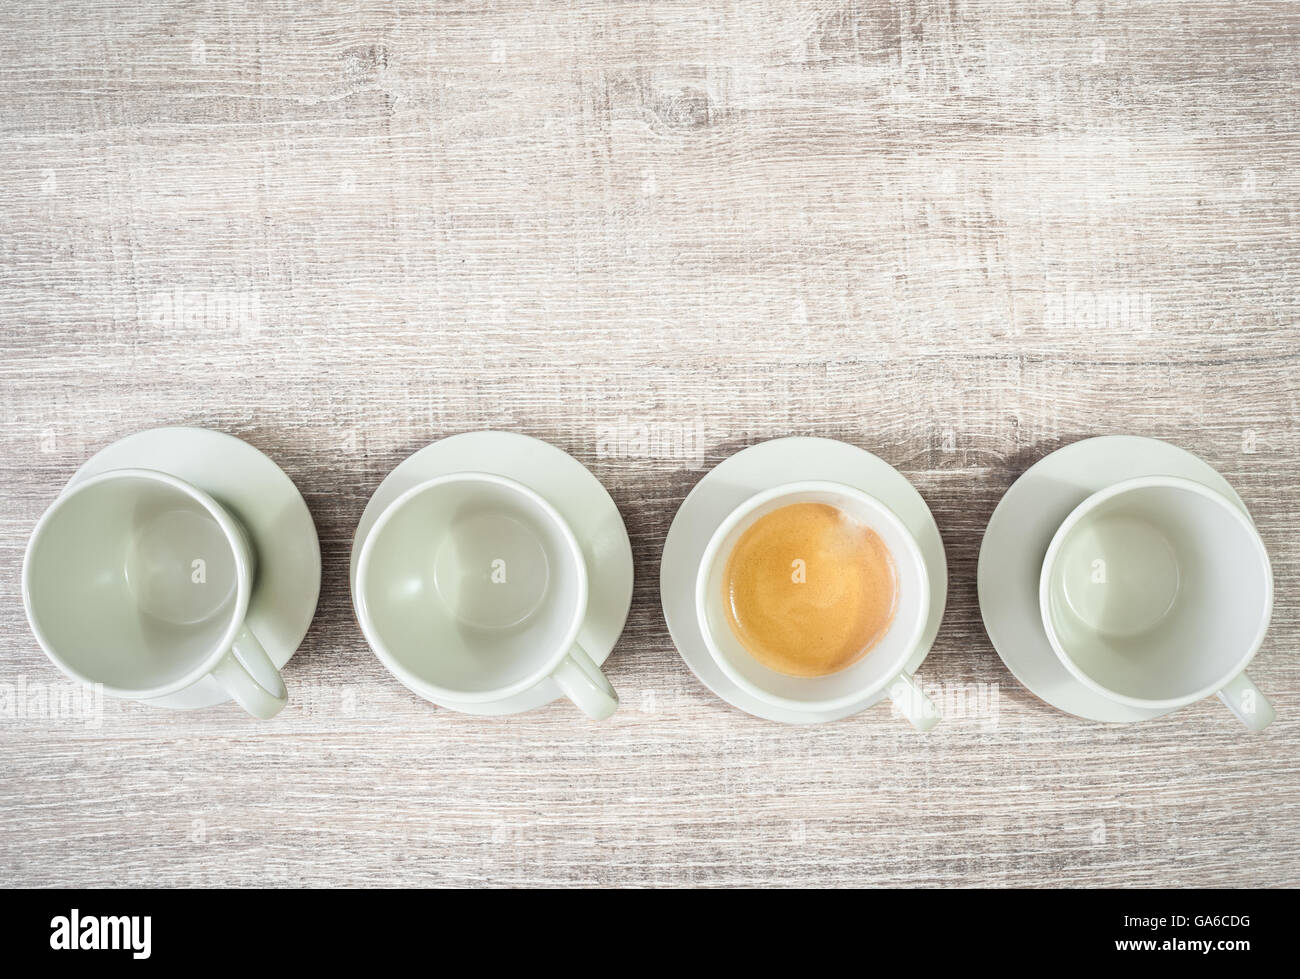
column 1156, row 592
column 139, row 583
column 472, row 589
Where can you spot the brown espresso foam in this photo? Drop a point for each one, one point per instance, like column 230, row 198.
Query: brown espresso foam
column 809, row 590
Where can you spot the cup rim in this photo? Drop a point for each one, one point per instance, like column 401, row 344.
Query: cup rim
column 239, row 547
column 1089, row 504
column 743, row 511
column 435, row 692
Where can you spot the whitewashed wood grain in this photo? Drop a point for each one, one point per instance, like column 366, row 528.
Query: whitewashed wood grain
column 957, row 234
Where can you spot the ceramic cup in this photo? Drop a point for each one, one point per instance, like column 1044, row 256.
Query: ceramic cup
column 882, row 669
column 139, row 582
column 1157, row 592
column 472, row 588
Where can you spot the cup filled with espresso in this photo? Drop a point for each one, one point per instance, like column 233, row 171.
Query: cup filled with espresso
column 813, row 596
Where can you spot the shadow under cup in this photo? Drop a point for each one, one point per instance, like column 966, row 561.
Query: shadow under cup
column 885, row 660
column 1157, row 592
column 470, row 587
column 132, row 582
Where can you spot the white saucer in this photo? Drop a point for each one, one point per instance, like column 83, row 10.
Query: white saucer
column 1015, row 543
column 569, row 487
column 266, row 501
column 762, row 467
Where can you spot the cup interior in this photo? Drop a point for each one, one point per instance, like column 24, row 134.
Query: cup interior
column 471, row 586
column 1157, row 592
column 880, row 665
column 132, row 581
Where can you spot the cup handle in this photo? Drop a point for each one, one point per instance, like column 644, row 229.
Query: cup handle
column 914, row 705
column 257, row 687
column 1243, row 698
column 584, row 684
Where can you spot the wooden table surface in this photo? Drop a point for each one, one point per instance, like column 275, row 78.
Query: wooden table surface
column 959, row 235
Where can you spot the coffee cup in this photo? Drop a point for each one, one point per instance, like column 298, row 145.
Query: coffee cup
column 471, row 588
column 139, row 583
column 882, row 669
column 1156, row 592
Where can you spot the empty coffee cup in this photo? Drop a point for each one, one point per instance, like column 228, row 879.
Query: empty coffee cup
column 139, row 582
column 472, row 588
column 1157, row 592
